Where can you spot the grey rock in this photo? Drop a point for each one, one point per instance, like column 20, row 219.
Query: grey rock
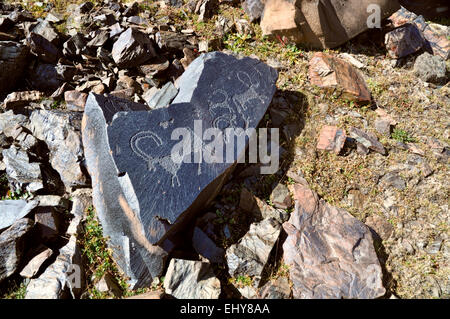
column 49, row 224
column 8, row 120
column 34, row 265
column 188, row 279
column 207, row 9
column 204, row 246
column 13, row 210
column 280, row 197
column 404, row 41
column 75, row 46
column 45, row 29
column 99, row 39
column 22, row 174
column 367, row 140
column 53, row 201
column 109, row 284
column 44, row 49
column 157, row 98
column 59, row 131
column 330, row 253
column 393, row 179
column 12, row 247
column 249, row 256
column 383, row 126
column 252, row 204
column 132, row 49
column 276, row 289
column 253, row 8
column 45, row 77
column 17, row 100
column 430, row 68
column 133, row 253
column 13, row 61
column 235, row 100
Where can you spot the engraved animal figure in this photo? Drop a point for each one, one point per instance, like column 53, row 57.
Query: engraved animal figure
column 242, row 99
column 228, row 118
column 165, row 162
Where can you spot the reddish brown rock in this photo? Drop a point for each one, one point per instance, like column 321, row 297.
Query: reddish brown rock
column 338, row 76
column 330, row 253
column 321, row 24
column 331, row 138
column 75, row 100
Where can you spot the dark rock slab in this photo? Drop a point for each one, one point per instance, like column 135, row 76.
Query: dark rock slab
column 12, row 247
column 12, row 210
column 44, row 49
column 404, row 41
column 13, row 61
column 141, row 195
column 76, row 45
column 330, row 253
column 206, row 247
column 132, row 49
column 45, row 77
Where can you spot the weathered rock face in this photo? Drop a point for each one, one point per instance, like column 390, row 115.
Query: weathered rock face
column 22, row 174
column 145, row 204
column 58, row 130
column 12, row 210
column 338, row 76
column 404, row 41
column 330, row 254
column 321, row 24
column 188, row 279
column 430, row 68
column 132, row 49
column 12, row 247
column 13, row 60
column 253, row 8
column 249, row 256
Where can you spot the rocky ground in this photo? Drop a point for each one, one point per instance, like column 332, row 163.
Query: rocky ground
column 373, row 156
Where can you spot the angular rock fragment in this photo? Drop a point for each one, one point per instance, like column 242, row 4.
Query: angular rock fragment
column 16, row 100
column 430, row 68
column 45, row 77
column 13, row 210
column 276, row 289
column 76, row 45
column 330, row 254
column 252, row 204
column 44, row 49
column 280, row 197
column 33, row 266
column 249, row 256
column 253, row 8
column 321, row 24
column 22, row 174
column 206, row 247
column 45, row 29
column 58, row 130
column 13, row 61
column 188, row 279
column 138, row 186
column 132, row 49
column 331, row 138
column 367, row 140
column 12, row 246
column 404, row 41
column 338, row 76
column 75, row 100
column 157, row 98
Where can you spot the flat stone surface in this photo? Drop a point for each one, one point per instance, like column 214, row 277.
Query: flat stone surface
column 32, row 268
column 162, row 97
column 404, row 41
column 331, row 138
column 330, row 253
column 249, row 256
column 12, row 210
column 12, row 246
column 22, row 174
column 16, row 100
column 188, row 279
column 206, row 247
column 339, row 77
column 132, row 49
column 152, row 188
